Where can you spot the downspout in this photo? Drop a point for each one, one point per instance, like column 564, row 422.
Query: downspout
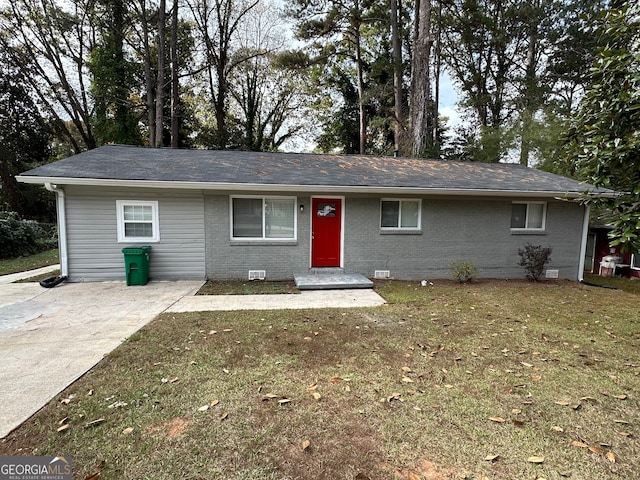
column 62, row 227
column 583, row 246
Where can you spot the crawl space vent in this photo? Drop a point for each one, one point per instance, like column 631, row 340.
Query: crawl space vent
column 257, row 274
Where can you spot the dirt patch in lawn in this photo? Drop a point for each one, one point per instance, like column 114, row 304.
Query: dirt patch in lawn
column 171, row 428
column 424, row 470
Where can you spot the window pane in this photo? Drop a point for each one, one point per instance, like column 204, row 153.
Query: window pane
column 279, row 217
column 138, row 213
column 247, row 217
column 635, row 260
column 536, row 211
column 390, row 214
column 410, row 214
column 518, row 215
column 138, row 230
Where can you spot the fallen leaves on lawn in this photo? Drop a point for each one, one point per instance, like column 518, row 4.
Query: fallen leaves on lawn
column 305, row 444
column 497, row 419
column 95, row 423
column 395, row 396
column 127, row 431
column 596, row 448
column 536, row 459
column 67, row 400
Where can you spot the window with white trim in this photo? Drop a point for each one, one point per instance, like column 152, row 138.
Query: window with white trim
column 137, row 221
column 263, row 218
column 635, row 260
column 400, row 214
column 528, row 216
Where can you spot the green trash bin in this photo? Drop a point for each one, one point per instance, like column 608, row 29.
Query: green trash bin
column 136, row 264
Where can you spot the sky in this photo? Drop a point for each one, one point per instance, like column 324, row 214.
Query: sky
column 448, row 101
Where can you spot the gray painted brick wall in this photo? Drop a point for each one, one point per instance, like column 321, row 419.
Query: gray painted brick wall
column 452, row 229
column 227, row 259
column 459, row 229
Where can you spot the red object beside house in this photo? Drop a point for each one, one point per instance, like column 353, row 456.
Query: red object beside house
column 598, row 251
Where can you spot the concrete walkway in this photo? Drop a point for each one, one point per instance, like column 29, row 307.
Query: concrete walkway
column 306, row 299
column 49, row 337
column 14, row 277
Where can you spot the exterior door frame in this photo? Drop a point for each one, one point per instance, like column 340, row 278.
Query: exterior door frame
column 311, row 215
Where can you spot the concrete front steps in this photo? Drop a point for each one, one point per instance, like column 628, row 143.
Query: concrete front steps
column 330, row 279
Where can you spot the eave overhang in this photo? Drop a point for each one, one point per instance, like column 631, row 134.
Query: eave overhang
column 312, row 189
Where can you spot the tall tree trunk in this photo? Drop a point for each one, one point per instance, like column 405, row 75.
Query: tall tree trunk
column 219, row 104
column 160, row 79
column 148, row 76
column 530, row 103
column 396, row 45
column 361, row 99
column 420, row 80
column 435, row 121
column 175, row 86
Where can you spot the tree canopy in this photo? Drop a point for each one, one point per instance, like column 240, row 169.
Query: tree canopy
column 603, row 141
column 336, row 76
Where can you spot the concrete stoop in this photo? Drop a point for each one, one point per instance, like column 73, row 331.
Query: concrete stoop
column 331, row 281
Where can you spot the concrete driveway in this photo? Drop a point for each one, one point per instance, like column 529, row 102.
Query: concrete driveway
column 51, row 337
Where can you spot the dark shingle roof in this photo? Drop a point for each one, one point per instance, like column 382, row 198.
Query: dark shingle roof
column 209, row 169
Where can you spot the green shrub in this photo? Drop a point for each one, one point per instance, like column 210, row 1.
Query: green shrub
column 464, row 270
column 533, row 258
column 19, row 238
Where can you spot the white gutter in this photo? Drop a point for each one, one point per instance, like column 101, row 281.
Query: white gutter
column 62, row 227
column 315, row 189
column 583, row 244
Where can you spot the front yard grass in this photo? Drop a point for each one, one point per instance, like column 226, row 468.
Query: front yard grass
column 627, row 284
column 31, row 262
column 492, row 380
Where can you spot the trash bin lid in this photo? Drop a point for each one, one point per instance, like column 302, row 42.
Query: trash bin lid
column 136, row 250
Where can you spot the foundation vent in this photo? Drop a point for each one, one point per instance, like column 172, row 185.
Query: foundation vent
column 257, row 274
column 382, row 274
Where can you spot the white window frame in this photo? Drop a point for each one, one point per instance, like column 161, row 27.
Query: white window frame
column 264, row 238
column 635, row 256
column 526, row 221
column 399, row 228
column 155, row 221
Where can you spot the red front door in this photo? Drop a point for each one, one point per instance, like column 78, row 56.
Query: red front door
column 326, row 228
